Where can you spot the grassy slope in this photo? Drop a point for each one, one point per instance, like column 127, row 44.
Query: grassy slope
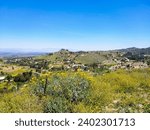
column 120, row 91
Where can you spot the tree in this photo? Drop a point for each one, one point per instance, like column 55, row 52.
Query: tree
column 9, row 77
column 23, row 77
column 148, row 61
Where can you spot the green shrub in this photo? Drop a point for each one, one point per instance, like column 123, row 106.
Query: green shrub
column 57, row 105
column 147, row 108
column 23, row 77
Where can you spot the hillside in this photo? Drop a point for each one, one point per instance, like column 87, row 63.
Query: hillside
column 136, row 51
column 83, row 81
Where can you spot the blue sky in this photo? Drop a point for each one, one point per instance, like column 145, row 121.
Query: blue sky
column 74, row 24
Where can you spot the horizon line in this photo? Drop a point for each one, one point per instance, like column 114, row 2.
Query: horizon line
column 46, row 50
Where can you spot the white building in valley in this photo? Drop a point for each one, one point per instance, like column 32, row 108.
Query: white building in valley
column 2, row 78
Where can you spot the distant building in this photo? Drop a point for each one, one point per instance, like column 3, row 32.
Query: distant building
column 2, row 78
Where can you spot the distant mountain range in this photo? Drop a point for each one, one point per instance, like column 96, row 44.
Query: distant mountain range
column 24, row 52
column 20, row 54
column 136, row 51
column 31, row 52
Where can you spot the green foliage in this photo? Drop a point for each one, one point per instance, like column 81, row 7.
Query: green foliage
column 147, row 108
column 24, row 77
column 57, row 105
column 119, row 91
column 9, row 77
column 73, row 88
column 148, row 61
column 21, row 101
column 65, row 90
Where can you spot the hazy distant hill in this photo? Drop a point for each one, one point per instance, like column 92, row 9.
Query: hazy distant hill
column 8, row 52
column 135, row 51
column 20, row 54
column 79, row 56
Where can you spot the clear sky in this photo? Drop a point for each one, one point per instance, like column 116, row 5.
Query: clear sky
column 74, row 24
